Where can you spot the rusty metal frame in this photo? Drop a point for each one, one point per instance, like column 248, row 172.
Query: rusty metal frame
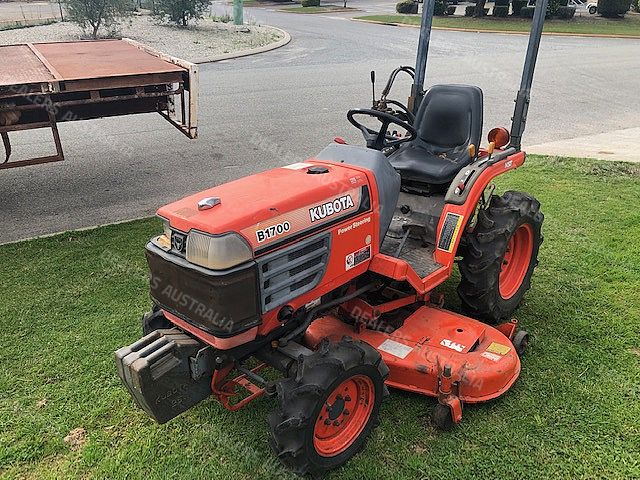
column 58, row 157
column 184, row 85
column 188, row 123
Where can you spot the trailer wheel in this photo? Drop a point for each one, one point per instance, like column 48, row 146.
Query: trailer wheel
column 327, row 411
column 500, row 256
column 593, row 10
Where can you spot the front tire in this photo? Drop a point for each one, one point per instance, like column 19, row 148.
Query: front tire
column 500, row 256
column 326, row 412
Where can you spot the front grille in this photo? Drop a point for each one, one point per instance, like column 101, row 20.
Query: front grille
column 178, row 243
column 223, row 303
column 292, row 271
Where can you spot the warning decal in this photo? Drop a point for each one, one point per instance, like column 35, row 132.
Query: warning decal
column 498, row 348
column 494, row 357
column 396, row 349
column 356, row 258
column 449, row 232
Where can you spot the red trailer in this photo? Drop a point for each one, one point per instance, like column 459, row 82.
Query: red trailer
column 43, row 84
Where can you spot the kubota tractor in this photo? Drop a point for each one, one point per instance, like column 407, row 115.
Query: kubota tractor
column 324, row 271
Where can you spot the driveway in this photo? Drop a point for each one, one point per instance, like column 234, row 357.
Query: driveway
column 283, row 106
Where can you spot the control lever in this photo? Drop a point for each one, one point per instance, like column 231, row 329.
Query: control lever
column 373, row 88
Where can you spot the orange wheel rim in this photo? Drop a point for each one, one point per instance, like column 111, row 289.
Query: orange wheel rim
column 343, row 416
column 516, row 261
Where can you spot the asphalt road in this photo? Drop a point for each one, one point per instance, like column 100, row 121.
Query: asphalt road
column 283, row 106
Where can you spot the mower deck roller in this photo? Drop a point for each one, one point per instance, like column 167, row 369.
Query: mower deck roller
column 325, row 271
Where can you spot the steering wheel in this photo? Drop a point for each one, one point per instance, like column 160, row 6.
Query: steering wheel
column 379, row 140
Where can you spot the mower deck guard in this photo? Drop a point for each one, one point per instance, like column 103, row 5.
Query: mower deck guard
column 482, row 360
column 166, row 372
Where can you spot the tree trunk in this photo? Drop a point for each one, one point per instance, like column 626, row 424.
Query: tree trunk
column 96, row 27
column 480, row 8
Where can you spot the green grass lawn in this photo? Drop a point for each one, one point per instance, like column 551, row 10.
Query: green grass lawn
column 629, row 25
column 67, row 302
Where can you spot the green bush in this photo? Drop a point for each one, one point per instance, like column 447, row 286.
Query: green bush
column 405, row 6
column 553, row 7
column 501, row 3
column 565, row 12
column 440, row 7
column 469, row 10
column 180, row 12
column 93, row 14
column 613, row 8
column 527, row 12
column 635, row 6
column 310, row 3
column 500, row 11
column 516, row 6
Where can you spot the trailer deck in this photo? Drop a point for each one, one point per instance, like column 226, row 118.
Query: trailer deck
column 43, row 84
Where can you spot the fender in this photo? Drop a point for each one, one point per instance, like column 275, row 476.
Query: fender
column 462, row 198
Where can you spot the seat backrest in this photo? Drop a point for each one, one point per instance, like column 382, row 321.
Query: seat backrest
column 450, row 119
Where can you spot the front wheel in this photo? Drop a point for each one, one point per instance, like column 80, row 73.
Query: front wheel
column 593, row 10
column 500, row 256
column 328, row 409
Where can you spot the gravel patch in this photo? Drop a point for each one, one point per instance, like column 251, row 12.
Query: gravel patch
column 195, row 44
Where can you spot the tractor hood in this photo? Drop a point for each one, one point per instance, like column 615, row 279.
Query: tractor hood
column 272, row 206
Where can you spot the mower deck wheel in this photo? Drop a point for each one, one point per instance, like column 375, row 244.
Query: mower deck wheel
column 442, row 418
column 328, row 409
column 521, row 342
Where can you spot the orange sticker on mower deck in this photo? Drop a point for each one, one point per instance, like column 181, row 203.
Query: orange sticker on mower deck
column 449, row 232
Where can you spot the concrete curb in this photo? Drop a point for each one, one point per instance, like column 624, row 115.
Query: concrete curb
column 252, row 51
column 473, row 30
column 328, row 10
column 72, row 230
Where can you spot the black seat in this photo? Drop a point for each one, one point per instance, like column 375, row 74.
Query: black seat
column 448, row 121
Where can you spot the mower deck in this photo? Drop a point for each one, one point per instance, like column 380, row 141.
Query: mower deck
column 482, row 359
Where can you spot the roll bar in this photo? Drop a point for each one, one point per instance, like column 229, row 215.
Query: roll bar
column 519, row 119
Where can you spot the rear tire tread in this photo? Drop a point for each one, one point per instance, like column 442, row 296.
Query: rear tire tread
column 484, row 250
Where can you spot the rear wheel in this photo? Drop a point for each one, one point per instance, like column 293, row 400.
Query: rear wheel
column 500, row 256
column 327, row 411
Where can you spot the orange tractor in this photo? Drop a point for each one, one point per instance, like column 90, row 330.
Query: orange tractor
column 325, row 271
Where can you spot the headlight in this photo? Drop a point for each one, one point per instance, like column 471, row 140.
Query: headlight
column 219, row 252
